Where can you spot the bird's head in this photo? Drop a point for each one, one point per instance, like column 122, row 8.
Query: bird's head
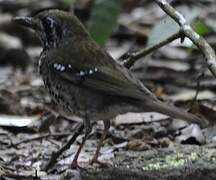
column 53, row 27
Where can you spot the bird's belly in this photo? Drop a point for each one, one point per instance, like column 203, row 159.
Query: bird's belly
column 73, row 99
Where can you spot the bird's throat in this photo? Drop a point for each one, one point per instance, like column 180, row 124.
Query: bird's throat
column 49, row 41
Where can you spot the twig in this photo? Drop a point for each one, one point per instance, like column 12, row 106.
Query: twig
column 186, row 29
column 40, row 137
column 197, row 91
column 143, row 52
column 55, row 155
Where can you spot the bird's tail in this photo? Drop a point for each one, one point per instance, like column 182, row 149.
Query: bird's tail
column 175, row 112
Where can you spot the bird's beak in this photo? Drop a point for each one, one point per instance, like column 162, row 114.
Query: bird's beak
column 28, row 22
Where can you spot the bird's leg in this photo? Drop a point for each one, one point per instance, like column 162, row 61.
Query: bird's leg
column 103, row 136
column 88, row 129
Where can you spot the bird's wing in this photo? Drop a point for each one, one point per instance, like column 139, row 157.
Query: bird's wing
column 115, row 80
column 108, row 79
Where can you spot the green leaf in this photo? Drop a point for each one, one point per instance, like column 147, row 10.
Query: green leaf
column 167, row 26
column 103, row 19
column 201, row 28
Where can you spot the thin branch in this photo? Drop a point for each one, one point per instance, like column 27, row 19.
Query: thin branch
column 55, row 155
column 41, row 137
column 143, row 52
column 186, row 29
column 197, row 90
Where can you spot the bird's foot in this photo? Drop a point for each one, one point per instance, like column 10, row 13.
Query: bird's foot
column 74, row 165
column 100, row 163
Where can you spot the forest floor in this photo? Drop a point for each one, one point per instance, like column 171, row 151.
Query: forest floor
column 138, row 146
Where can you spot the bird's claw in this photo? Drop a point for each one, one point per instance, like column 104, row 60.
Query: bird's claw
column 100, row 163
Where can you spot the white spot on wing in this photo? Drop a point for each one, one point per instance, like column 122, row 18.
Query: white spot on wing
column 82, row 73
column 62, row 68
column 59, row 67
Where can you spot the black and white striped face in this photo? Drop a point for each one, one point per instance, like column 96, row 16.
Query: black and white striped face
column 52, row 26
column 50, row 33
column 48, row 28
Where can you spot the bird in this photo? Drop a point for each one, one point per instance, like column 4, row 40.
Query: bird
column 84, row 80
